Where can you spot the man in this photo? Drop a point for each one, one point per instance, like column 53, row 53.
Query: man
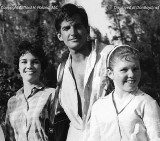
column 85, row 70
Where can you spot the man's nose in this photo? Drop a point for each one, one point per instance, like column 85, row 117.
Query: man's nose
column 73, row 30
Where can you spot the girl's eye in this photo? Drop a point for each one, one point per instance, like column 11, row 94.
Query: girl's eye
column 136, row 69
column 124, row 70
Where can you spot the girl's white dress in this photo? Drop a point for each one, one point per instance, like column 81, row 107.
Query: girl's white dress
column 138, row 120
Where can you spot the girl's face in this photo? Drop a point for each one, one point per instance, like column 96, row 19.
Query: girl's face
column 125, row 74
column 29, row 68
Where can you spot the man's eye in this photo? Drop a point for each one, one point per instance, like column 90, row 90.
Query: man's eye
column 78, row 26
column 66, row 28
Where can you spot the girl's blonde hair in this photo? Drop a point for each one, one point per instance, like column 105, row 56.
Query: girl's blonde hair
column 123, row 52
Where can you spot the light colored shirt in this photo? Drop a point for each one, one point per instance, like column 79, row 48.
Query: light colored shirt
column 94, row 83
column 1, row 134
column 26, row 116
column 139, row 120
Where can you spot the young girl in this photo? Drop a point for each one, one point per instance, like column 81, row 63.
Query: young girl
column 127, row 113
column 28, row 109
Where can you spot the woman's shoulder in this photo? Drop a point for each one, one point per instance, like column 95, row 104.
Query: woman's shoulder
column 14, row 98
column 50, row 91
column 12, row 103
column 144, row 97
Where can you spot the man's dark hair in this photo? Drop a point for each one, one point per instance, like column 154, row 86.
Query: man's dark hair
column 67, row 11
column 33, row 48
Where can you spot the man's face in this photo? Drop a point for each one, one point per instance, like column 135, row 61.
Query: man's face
column 73, row 33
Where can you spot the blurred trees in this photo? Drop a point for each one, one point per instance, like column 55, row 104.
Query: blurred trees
column 31, row 20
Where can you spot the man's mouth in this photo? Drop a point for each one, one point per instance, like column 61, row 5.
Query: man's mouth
column 74, row 39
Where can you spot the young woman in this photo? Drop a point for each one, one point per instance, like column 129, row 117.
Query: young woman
column 127, row 113
column 28, row 109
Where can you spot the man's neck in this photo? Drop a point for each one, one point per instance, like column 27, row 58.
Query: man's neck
column 80, row 55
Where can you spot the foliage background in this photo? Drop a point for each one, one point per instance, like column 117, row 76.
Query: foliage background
column 133, row 22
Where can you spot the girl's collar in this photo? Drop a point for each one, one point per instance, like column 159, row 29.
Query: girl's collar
column 34, row 88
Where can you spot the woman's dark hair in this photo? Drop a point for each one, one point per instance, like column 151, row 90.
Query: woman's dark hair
column 67, row 11
column 33, row 48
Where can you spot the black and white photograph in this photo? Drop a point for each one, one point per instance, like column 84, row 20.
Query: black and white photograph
column 79, row 70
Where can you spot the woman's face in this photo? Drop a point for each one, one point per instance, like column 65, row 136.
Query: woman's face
column 29, row 68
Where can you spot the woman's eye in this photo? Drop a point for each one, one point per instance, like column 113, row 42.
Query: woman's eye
column 36, row 62
column 23, row 62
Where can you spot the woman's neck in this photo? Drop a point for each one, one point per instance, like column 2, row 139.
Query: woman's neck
column 28, row 87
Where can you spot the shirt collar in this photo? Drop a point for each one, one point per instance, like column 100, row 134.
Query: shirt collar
column 34, row 90
column 95, row 45
column 69, row 60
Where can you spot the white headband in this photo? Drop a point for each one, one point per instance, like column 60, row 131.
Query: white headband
column 117, row 46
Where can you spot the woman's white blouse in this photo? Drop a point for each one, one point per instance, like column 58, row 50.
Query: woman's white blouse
column 139, row 120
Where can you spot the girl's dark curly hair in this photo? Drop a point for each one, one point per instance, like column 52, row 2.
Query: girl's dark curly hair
column 33, row 48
